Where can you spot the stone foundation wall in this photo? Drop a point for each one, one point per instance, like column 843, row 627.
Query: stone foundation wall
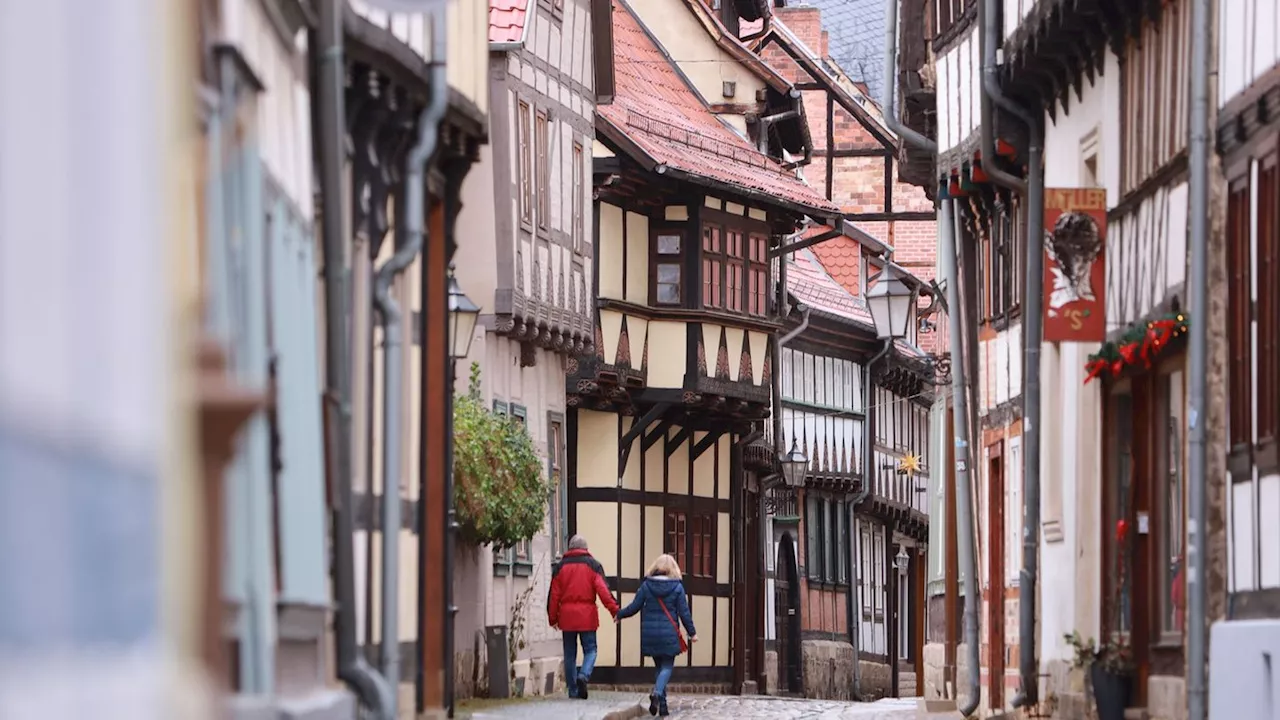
column 935, row 676
column 1167, row 697
column 876, row 680
column 770, row 672
column 827, row 669
column 1066, row 694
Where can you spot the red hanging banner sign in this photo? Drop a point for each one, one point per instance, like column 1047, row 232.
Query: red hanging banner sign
column 1075, row 274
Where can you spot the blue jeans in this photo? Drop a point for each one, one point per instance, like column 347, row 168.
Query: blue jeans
column 666, row 665
column 571, row 669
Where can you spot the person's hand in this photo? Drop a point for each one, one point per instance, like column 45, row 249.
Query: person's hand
column 693, row 638
column 616, row 620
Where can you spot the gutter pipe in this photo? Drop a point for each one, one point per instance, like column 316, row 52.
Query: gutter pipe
column 391, row 313
column 370, row 688
column 1197, row 546
column 1033, row 338
column 950, row 230
column 887, row 93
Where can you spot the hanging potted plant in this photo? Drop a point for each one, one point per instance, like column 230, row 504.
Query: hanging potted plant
column 500, row 491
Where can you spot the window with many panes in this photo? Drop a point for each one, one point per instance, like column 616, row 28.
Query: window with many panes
column 735, row 265
column 1000, row 265
column 827, row 535
column 690, row 539
column 516, row 560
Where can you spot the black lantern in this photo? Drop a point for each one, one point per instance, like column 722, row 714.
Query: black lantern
column 794, row 466
column 463, row 315
column 890, row 304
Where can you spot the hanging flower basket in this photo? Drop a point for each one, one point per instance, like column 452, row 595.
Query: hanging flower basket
column 499, row 492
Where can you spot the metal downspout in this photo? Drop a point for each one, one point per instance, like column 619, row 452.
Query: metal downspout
column 1197, row 545
column 370, row 687
column 950, row 220
column 1033, row 338
column 887, row 93
column 767, row 121
column 868, row 462
column 391, row 314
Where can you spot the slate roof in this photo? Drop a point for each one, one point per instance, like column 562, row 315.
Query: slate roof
column 506, row 20
column 855, row 37
column 659, row 113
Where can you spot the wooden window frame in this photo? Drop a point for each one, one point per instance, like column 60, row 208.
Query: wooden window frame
column 517, row 560
column 1239, row 314
column 690, row 536
column 524, row 144
column 741, row 258
column 945, row 14
column 579, row 196
column 1170, row 448
column 1266, row 304
column 542, row 169
column 658, row 260
column 1155, row 95
column 557, row 515
column 827, row 526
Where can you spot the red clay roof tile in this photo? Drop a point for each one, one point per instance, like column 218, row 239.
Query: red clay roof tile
column 506, row 20
column 657, row 110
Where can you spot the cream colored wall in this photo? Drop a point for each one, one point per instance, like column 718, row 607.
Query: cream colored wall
column 623, row 234
column 467, row 53
column 478, row 274
column 707, row 65
column 597, row 454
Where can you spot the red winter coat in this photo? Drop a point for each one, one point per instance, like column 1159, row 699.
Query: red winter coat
column 576, row 582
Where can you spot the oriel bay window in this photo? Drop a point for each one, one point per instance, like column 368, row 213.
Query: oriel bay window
column 735, row 265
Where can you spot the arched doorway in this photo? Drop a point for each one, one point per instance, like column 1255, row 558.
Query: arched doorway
column 786, row 609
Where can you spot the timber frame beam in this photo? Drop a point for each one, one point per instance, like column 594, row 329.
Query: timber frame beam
column 637, row 429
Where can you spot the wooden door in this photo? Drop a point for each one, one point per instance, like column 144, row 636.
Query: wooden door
column 786, row 607
column 995, row 601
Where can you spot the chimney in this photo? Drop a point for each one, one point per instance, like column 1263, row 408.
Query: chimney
column 805, row 23
column 825, row 52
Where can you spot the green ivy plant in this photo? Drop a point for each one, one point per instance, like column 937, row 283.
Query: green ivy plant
column 499, row 491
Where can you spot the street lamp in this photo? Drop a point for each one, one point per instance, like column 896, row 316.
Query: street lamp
column 901, row 560
column 794, row 465
column 890, row 304
column 462, row 319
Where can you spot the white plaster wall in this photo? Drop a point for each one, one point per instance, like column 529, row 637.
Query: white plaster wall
column 959, row 71
column 1249, row 44
column 1071, row 441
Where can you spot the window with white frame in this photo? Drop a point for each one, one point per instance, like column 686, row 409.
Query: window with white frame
column 1013, row 511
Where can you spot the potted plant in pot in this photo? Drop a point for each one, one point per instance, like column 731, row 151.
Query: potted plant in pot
column 1109, row 669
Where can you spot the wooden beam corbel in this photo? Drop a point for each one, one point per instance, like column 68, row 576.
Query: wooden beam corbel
column 637, row 428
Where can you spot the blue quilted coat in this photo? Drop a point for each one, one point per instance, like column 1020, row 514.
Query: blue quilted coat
column 657, row 635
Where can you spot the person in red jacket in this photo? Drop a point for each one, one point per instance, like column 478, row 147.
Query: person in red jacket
column 576, row 581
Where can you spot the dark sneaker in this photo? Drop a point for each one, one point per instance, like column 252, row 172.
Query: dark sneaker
column 662, row 709
column 582, row 688
column 653, row 704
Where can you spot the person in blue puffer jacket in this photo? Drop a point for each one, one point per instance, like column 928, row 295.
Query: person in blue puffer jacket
column 661, row 601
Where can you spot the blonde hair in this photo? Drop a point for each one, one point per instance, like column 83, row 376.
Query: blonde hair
column 665, row 565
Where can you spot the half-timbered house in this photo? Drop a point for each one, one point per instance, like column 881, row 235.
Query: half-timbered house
column 526, row 207
column 687, row 211
column 1107, row 86
column 849, row 550
column 856, row 160
column 1249, row 72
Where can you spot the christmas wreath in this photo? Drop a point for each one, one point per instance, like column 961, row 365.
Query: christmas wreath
column 1140, row 344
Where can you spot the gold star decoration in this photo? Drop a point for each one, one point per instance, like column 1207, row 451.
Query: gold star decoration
column 909, row 465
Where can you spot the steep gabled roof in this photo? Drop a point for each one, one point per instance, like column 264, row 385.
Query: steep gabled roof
column 658, row 118
column 817, row 67
column 507, row 20
column 809, row 283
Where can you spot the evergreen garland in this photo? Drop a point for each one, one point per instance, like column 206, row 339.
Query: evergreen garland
column 1139, row 344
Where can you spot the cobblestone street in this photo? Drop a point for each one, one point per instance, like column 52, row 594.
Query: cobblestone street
column 703, row 707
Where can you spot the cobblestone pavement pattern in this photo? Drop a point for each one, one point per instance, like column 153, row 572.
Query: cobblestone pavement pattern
column 708, row 707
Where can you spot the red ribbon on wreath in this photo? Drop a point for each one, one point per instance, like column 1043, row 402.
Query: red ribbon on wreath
column 1096, row 367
